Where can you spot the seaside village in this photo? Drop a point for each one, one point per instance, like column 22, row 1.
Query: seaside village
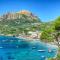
column 30, row 35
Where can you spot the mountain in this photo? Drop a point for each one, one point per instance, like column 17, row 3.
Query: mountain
column 15, row 23
column 22, row 15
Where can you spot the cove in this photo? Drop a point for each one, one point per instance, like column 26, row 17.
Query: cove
column 12, row 48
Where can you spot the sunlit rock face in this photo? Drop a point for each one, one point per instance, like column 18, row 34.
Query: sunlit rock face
column 18, row 15
column 24, row 12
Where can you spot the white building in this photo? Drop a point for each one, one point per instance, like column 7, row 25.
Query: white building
column 35, row 34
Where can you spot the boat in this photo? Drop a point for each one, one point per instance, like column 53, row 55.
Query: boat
column 42, row 56
column 41, row 50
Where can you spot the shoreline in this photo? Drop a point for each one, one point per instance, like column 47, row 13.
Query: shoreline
column 50, row 45
column 54, row 46
column 32, row 39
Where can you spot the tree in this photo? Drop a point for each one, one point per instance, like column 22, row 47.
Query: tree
column 57, row 29
column 51, row 31
column 51, row 59
column 47, row 35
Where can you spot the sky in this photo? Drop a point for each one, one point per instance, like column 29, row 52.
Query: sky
column 46, row 10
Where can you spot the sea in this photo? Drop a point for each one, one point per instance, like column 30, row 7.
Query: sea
column 13, row 48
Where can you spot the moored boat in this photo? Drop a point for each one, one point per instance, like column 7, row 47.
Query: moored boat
column 41, row 50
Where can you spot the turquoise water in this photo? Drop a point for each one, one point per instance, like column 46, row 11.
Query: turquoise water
column 12, row 48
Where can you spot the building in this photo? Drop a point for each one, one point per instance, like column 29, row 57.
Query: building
column 35, row 34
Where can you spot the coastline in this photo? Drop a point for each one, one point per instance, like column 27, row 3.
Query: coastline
column 32, row 39
column 50, row 45
column 54, row 46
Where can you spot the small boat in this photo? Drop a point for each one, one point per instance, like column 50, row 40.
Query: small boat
column 43, row 56
column 41, row 50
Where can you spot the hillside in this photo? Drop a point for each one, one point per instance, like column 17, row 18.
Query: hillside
column 15, row 23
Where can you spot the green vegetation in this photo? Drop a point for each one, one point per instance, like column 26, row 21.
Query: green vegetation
column 57, row 28
column 52, row 31
column 20, row 25
column 47, row 35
